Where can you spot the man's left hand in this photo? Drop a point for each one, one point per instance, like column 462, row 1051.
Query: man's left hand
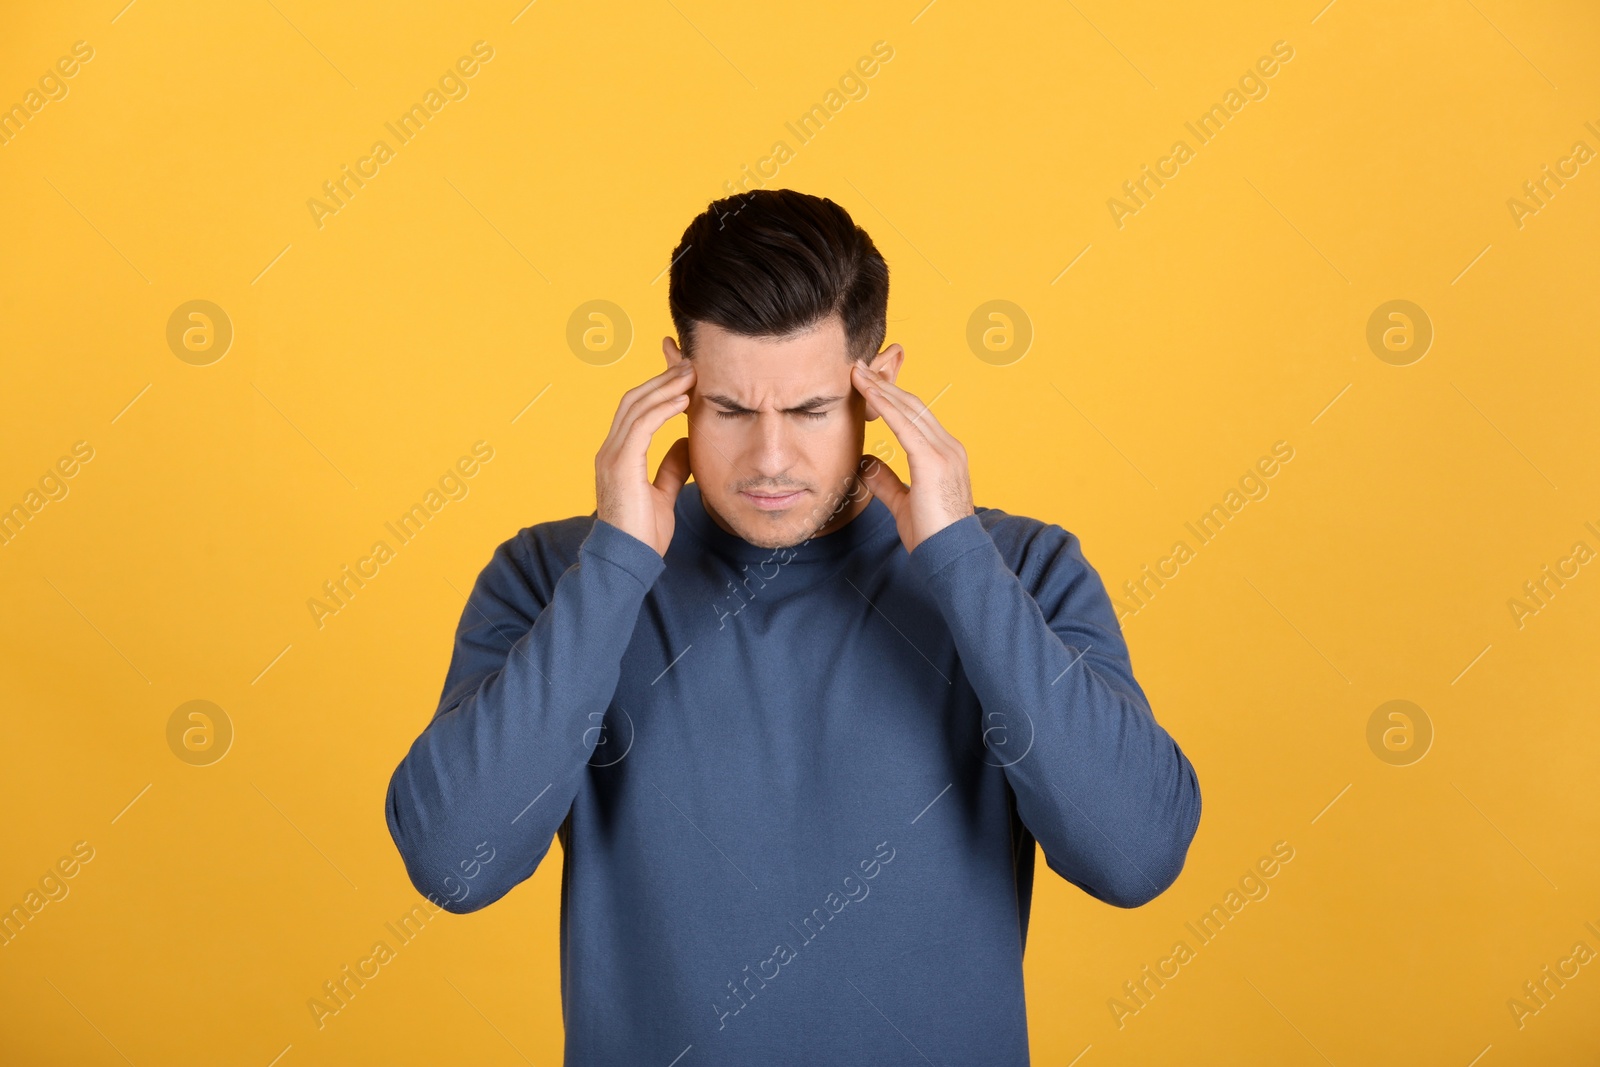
column 941, row 488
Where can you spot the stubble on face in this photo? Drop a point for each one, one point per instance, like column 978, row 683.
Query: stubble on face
column 817, row 515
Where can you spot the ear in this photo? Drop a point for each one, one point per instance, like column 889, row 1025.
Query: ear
column 669, row 348
column 886, row 363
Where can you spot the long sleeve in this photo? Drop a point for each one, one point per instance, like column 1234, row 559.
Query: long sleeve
column 475, row 803
column 1099, row 783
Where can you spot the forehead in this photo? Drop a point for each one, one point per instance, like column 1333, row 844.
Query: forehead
column 727, row 362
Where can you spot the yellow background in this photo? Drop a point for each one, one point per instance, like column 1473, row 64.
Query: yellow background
column 1228, row 314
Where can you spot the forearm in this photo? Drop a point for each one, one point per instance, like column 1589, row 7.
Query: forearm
column 1099, row 782
column 505, row 754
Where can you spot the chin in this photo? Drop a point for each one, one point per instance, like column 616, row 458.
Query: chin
column 774, row 543
column 767, row 531
column 773, row 529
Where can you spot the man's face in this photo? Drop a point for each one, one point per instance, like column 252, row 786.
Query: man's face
column 775, row 430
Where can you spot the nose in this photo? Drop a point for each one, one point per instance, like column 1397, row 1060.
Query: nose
column 772, row 453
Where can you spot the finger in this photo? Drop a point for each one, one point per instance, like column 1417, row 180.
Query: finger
column 920, row 418
column 882, row 481
column 898, row 415
column 921, row 414
column 674, row 469
column 674, row 379
column 862, row 380
column 670, row 380
column 634, row 443
column 626, row 401
column 631, row 439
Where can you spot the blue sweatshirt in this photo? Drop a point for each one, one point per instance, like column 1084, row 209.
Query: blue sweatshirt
column 797, row 790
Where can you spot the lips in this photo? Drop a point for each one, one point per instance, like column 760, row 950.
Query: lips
column 773, row 502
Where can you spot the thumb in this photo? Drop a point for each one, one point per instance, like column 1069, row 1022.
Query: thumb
column 882, row 481
column 674, row 469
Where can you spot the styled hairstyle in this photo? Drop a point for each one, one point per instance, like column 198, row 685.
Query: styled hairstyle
column 774, row 262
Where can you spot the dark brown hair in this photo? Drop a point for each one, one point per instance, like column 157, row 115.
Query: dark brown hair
column 773, row 262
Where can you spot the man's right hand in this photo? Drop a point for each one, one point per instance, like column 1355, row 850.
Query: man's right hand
column 625, row 497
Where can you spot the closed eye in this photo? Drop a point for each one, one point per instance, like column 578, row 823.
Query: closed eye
column 804, row 414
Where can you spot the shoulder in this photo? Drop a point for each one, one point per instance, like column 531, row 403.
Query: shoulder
column 537, row 555
column 1045, row 556
column 1023, row 539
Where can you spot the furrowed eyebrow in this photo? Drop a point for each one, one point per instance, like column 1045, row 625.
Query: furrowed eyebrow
column 733, row 405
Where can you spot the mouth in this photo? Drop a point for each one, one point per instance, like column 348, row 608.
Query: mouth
column 773, row 501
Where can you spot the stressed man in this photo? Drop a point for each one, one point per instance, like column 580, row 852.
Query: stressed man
column 796, row 723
